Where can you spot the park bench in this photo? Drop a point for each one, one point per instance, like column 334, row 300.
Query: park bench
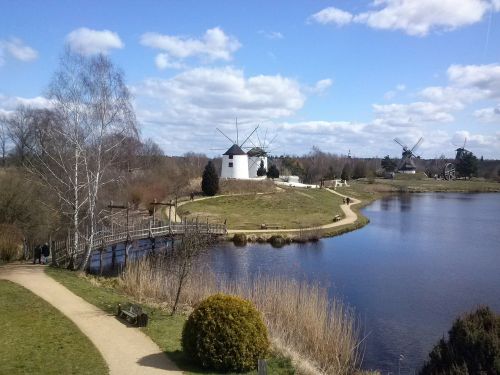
column 133, row 314
column 270, row 226
column 337, row 218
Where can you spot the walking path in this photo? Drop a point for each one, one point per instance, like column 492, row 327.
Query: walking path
column 350, row 217
column 126, row 350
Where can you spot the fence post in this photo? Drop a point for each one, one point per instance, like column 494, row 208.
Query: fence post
column 262, row 367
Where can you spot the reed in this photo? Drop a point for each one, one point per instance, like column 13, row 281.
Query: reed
column 320, row 334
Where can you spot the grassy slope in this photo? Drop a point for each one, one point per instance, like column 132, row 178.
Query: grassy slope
column 35, row 338
column 163, row 329
column 291, row 208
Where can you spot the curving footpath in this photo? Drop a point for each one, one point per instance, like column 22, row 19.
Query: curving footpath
column 350, row 217
column 126, row 350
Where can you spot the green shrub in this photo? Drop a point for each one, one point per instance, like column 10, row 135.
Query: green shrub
column 240, row 239
column 210, row 180
column 473, row 347
column 225, row 333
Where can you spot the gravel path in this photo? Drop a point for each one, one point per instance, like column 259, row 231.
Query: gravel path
column 125, row 349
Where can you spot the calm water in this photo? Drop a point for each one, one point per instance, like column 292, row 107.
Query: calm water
column 423, row 260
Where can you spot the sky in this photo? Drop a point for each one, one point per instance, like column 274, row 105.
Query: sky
column 339, row 75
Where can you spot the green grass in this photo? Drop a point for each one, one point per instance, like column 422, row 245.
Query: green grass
column 163, row 329
column 290, row 208
column 35, row 338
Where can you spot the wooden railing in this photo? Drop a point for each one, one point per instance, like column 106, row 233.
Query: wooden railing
column 63, row 250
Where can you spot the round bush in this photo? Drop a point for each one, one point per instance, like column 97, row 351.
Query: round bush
column 225, row 333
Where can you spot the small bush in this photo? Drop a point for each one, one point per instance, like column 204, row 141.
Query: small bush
column 240, row 239
column 225, row 333
column 473, row 347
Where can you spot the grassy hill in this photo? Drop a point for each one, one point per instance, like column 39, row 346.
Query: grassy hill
column 290, row 208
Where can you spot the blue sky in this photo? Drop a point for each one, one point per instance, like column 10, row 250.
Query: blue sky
column 340, row 75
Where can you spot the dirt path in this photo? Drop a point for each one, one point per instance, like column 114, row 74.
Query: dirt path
column 126, row 350
column 350, row 217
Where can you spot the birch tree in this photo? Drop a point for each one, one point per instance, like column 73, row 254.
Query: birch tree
column 91, row 115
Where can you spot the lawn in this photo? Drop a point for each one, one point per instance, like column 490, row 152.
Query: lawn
column 37, row 339
column 290, row 208
column 163, row 329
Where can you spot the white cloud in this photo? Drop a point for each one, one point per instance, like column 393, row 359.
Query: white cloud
column 491, row 114
column 162, row 61
column 272, row 34
column 414, row 17
column 8, row 104
column 90, row 42
column 332, row 15
column 213, row 45
column 185, row 110
column 321, row 86
column 412, row 114
column 391, row 94
column 17, row 49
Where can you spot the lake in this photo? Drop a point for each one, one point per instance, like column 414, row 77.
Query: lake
column 423, row 260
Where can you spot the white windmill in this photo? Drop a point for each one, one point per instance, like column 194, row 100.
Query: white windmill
column 235, row 160
column 257, row 155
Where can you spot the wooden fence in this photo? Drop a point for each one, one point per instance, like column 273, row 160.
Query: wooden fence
column 63, row 251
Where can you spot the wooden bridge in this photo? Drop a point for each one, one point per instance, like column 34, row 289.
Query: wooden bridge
column 63, row 251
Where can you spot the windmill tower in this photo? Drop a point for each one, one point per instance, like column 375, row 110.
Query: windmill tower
column 235, row 160
column 407, row 165
column 258, row 154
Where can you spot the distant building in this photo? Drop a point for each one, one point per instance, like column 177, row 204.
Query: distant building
column 256, row 155
column 235, row 163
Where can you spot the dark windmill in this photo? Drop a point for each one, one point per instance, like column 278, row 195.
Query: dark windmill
column 449, row 172
column 407, row 165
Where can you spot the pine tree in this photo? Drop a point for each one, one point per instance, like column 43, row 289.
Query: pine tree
column 262, row 170
column 346, row 172
column 210, row 181
column 273, row 172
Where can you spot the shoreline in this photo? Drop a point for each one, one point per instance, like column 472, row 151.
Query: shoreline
column 361, row 220
column 363, row 193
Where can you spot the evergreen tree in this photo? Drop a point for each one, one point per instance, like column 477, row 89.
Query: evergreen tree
column 388, row 164
column 346, row 172
column 210, row 181
column 472, row 347
column 262, row 170
column 467, row 165
column 273, row 172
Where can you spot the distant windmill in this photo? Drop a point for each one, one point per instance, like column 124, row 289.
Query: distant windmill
column 407, row 165
column 449, row 171
column 235, row 160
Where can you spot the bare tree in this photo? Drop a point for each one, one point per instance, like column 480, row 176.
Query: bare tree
column 3, row 139
column 110, row 121
column 78, row 141
column 20, row 132
column 182, row 259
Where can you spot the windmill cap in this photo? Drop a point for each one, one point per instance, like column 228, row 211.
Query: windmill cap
column 256, row 151
column 234, row 150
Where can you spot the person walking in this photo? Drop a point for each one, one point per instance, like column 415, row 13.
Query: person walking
column 348, row 200
column 37, row 254
column 45, row 252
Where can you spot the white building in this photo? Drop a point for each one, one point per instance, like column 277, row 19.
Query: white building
column 255, row 156
column 235, row 163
